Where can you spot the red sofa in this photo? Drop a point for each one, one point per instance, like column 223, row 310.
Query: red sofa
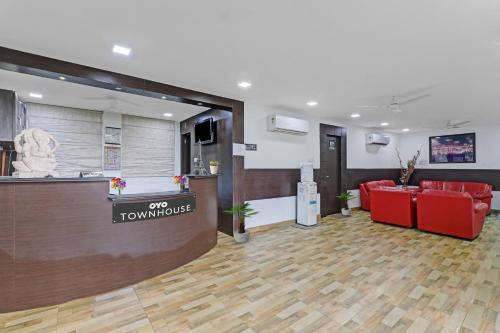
column 451, row 213
column 480, row 192
column 365, row 189
column 394, row 206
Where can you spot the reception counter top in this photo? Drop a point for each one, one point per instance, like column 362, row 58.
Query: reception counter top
column 59, row 240
column 52, row 180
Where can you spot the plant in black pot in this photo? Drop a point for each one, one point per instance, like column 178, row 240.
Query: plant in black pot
column 242, row 212
column 345, row 197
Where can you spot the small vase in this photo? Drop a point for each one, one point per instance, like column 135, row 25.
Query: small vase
column 182, row 187
column 119, row 191
column 214, row 169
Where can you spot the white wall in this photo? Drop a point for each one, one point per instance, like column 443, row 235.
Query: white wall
column 285, row 151
column 142, row 184
column 487, row 150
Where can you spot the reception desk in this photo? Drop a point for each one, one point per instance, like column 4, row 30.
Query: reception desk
column 59, row 242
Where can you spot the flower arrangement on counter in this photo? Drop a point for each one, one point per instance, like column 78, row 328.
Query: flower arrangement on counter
column 181, row 180
column 119, row 184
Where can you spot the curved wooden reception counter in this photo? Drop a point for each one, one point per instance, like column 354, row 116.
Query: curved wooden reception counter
column 59, row 240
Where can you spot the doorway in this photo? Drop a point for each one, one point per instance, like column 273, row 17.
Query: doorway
column 332, row 167
column 186, row 154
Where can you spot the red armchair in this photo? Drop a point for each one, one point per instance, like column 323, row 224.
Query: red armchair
column 450, row 213
column 480, row 192
column 365, row 189
column 394, row 206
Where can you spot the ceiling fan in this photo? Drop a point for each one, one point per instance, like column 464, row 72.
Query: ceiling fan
column 396, row 101
column 395, row 105
column 456, row 124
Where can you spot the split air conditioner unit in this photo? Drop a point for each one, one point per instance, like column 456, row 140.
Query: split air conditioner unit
column 377, row 139
column 279, row 123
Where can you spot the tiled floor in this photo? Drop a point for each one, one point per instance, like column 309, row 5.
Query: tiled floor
column 348, row 275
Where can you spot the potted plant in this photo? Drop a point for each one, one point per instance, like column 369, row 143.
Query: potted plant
column 345, row 197
column 214, row 167
column 119, row 184
column 241, row 235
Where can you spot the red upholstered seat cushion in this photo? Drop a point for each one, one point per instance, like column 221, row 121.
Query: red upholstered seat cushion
column 431, row 185
column 453, row 186
column 372, row 185
column 387, row 183
column 478, row 190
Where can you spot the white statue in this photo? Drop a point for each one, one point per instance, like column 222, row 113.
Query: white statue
column 35, row 154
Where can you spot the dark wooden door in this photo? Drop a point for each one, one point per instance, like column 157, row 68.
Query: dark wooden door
column 330, row 172
column 186, row 154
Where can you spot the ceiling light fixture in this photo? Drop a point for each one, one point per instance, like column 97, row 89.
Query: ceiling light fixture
column 384, row 124
column 121, row 50
column 118, row 88
column 244, row 84
column 163, row 97
column 62, row 78
column 312, row 103
column 36, row 95
column 355, row 115
column 405, row 129
column 167, row 114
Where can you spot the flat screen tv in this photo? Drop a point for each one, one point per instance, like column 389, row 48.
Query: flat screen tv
column 204, row 131
column 457, row 148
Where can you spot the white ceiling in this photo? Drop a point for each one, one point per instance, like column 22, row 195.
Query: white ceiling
column 341, row 53
column 85, row 97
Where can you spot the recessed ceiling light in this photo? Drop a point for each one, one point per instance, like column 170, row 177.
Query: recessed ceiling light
column 62, row 78
column 121, row 50
column 118, row 88
column 244, row 84
column 405, row 129
column 163, row 97
column 36, row 95
column 384, row 124
column 312, row 103
column 355, row 115
column 167, row 114
column 200, row 103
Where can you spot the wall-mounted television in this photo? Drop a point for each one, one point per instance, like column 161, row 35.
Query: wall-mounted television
column 456, row 148
column 205, row 132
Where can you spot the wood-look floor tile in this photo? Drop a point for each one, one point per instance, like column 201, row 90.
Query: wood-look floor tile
column 347, row 275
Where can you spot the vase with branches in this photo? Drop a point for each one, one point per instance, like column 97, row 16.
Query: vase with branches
column 408, row 168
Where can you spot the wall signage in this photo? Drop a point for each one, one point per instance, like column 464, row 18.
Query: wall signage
column 154, row 209
column 251, row 146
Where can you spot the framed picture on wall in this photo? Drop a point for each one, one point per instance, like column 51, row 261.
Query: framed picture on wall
column 456, row 148
column 113, row 136
column 112, row 158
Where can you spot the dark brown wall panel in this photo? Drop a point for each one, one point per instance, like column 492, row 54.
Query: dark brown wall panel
column 489, row 176
column 274, row 183
column 270, row 183
column 358, row 176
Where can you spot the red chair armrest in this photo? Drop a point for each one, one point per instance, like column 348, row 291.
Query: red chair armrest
column 479, row 207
